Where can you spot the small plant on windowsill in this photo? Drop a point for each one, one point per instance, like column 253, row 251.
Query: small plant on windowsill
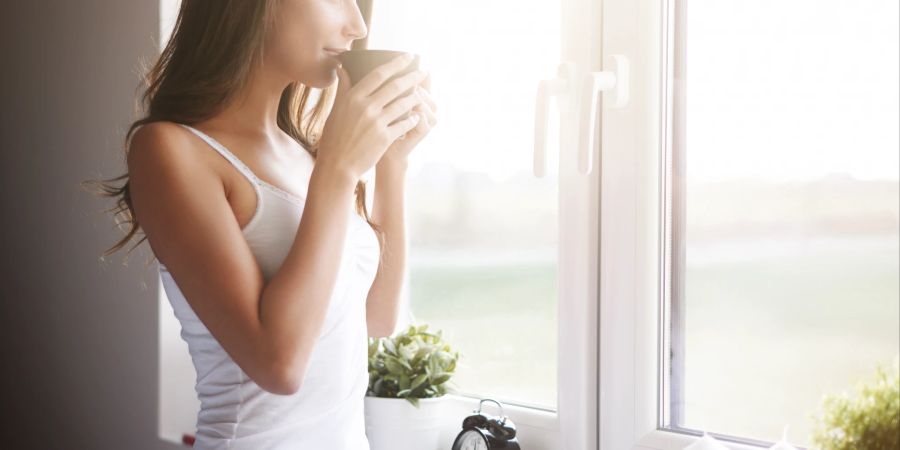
column 412, row 365
column 408, row 377
column 869, row 420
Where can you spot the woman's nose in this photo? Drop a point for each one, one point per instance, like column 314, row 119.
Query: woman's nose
column 357, row 27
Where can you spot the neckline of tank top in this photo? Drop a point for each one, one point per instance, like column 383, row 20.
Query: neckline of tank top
column 278, row 191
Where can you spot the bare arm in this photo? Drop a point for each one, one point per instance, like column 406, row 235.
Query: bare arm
column 295, row 301
column 382, row 303
column 268, row 329
column 182, row 208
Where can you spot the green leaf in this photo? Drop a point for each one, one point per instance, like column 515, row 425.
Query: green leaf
column 420, row 354
column 391, row 377
column 378, row 388
column 405, row 364
column 412, row 365
column 408, row 351
column 440, row 379
column 418, row 381
column 404, row 381
column 393, row 366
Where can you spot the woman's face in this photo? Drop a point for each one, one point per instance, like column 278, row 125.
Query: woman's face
column 303, row 30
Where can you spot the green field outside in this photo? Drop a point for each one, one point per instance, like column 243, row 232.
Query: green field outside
column 766, row 336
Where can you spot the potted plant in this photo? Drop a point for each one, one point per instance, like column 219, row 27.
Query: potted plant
column 867, row 420
column 408, row 374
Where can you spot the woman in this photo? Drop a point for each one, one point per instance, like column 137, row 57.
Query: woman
column 247, row 201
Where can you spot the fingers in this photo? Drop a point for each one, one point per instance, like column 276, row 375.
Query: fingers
column 427, row 107
column 402, row 127
column 381, row 74
column 427, row 98
column 426, row 90
column 402, row 106
column 427, row 121
column 396, row 87
column 426, row 83
column 428, row 114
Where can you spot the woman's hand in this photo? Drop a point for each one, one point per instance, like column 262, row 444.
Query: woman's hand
column 361, row 125
column 402, row 147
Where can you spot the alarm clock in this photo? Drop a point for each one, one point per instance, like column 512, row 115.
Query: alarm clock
column 486, row 432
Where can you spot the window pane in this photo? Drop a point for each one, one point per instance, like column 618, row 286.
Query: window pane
column 790, row 220
column 482, row 227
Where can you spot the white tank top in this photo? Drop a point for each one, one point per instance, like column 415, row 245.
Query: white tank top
column 327, row 411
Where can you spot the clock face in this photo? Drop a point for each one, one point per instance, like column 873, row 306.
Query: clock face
column 472, row 440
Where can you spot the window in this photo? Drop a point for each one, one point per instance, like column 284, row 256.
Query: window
column 785, row 226
column 483, row 228
column 500, row 258
column 713, row 249
column 761, row 203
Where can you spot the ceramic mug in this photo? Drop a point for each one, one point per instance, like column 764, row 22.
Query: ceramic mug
column 358, row 63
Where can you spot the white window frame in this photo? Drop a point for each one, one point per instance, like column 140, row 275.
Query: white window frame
column 573, row 426
column 632, row 153
column 638, row 182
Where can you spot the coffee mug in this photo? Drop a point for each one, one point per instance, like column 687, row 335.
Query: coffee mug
column 358, row 63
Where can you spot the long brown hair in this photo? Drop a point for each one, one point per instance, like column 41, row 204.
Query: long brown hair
column 206, row 63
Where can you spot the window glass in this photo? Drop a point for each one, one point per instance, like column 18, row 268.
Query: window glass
column 789, row 220
column 482, row 228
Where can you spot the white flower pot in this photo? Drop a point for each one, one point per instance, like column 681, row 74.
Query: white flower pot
column 395, row 424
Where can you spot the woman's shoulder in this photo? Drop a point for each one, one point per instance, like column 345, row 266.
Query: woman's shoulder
column 164, row 152
column 164, row 145
column 158, row 132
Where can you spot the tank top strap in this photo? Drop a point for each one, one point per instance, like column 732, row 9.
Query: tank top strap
column 237, row 163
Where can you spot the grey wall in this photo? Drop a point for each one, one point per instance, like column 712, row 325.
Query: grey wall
column 79, row 336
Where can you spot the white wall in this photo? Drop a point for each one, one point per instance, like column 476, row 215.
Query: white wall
column 79, row 336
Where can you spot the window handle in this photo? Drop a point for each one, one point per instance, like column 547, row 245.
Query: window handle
column 615, row 82
column 558, row 86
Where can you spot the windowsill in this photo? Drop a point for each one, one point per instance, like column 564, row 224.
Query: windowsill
column 535, row 429
column 667, row 440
